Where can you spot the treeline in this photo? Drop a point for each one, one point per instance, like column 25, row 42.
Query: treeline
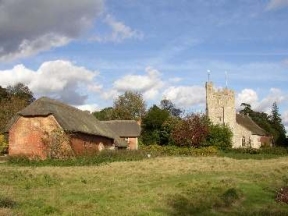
column 165, row 124
column 272, row 123
column 13, row 99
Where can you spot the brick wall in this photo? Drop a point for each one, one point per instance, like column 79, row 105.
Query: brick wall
column 87, row 144
column 25, row 136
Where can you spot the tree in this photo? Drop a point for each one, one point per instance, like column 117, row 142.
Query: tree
column 247, row 109
column 170, row 107
column 191, row 131
column 128, row 106
column 152, row 125
column 13, row 99
column 21, row 91
column 105, row 114
column 276, row 122
column 272, row 124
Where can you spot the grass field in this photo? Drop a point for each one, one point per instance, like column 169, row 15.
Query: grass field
column 155, row 186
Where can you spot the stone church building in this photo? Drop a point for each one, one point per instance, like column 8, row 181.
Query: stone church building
column 220, row 108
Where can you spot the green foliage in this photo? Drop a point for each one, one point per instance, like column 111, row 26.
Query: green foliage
column 219, row 136
column 106, row 156
column 171, row 150
column 167, row 105
column 152, row 125
column 21, row 91
column 262, row 153
column 129, row 106
column 276, row 123
column 3, row 145
column 105, row 114
column 12, row 100
column 272, row 124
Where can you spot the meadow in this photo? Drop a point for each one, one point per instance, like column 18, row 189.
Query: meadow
column 171, row 185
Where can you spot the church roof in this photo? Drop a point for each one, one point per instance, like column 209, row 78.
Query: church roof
column 249, row 124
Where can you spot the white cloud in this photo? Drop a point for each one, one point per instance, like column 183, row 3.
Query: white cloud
column 185, row 96
column 276, row 4
column 250, row 96
column 31, row 26
column 119, row 31
column 149, row 84
column 89, row 107
column 175, row 79
column 58, row 79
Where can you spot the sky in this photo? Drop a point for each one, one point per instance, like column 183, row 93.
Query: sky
column 86, row 53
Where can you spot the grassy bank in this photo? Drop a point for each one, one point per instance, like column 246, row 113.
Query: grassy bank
column 155, row 186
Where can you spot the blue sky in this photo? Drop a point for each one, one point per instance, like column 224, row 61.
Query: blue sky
column 86, row 53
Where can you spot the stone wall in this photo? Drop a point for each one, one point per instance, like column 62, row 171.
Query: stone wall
column 220, row 105
column 220, row 108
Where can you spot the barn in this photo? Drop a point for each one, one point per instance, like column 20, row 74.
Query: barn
column 50, row 128
column 128, row 130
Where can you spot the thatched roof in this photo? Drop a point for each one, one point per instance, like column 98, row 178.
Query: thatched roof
column 124, row 128
column 70, row 118
column 250, row 125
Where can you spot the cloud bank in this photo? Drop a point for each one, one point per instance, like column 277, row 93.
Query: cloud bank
column 58, row 79
column 31, row 26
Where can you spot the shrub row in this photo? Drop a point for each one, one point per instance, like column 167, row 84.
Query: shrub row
column 88, row 160
column 156, row 150
column 112, row 156
column 266, row 150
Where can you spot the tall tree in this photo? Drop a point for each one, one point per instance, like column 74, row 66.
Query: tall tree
column 170, row 107
column 276, row 122
column 129, row 105
column 152, row 125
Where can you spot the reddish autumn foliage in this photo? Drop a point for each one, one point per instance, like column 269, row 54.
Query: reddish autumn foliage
column 191, row 131
column 282, row 195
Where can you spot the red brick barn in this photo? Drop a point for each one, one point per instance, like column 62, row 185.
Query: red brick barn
column 49, row 128
column 128, row 130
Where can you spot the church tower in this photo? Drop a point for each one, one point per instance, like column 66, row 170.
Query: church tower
column 220, row 106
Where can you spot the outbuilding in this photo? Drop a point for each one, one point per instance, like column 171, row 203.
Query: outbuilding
column 50, row 128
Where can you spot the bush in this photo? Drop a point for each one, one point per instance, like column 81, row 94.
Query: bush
column 191, row 131
column 3, row 145
column 219, row 136
column 282, row 195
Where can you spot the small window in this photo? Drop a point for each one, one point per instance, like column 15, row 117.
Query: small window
column 243, row 141
column 127, row 139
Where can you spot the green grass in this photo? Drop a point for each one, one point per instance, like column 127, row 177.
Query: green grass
column 154, row 186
